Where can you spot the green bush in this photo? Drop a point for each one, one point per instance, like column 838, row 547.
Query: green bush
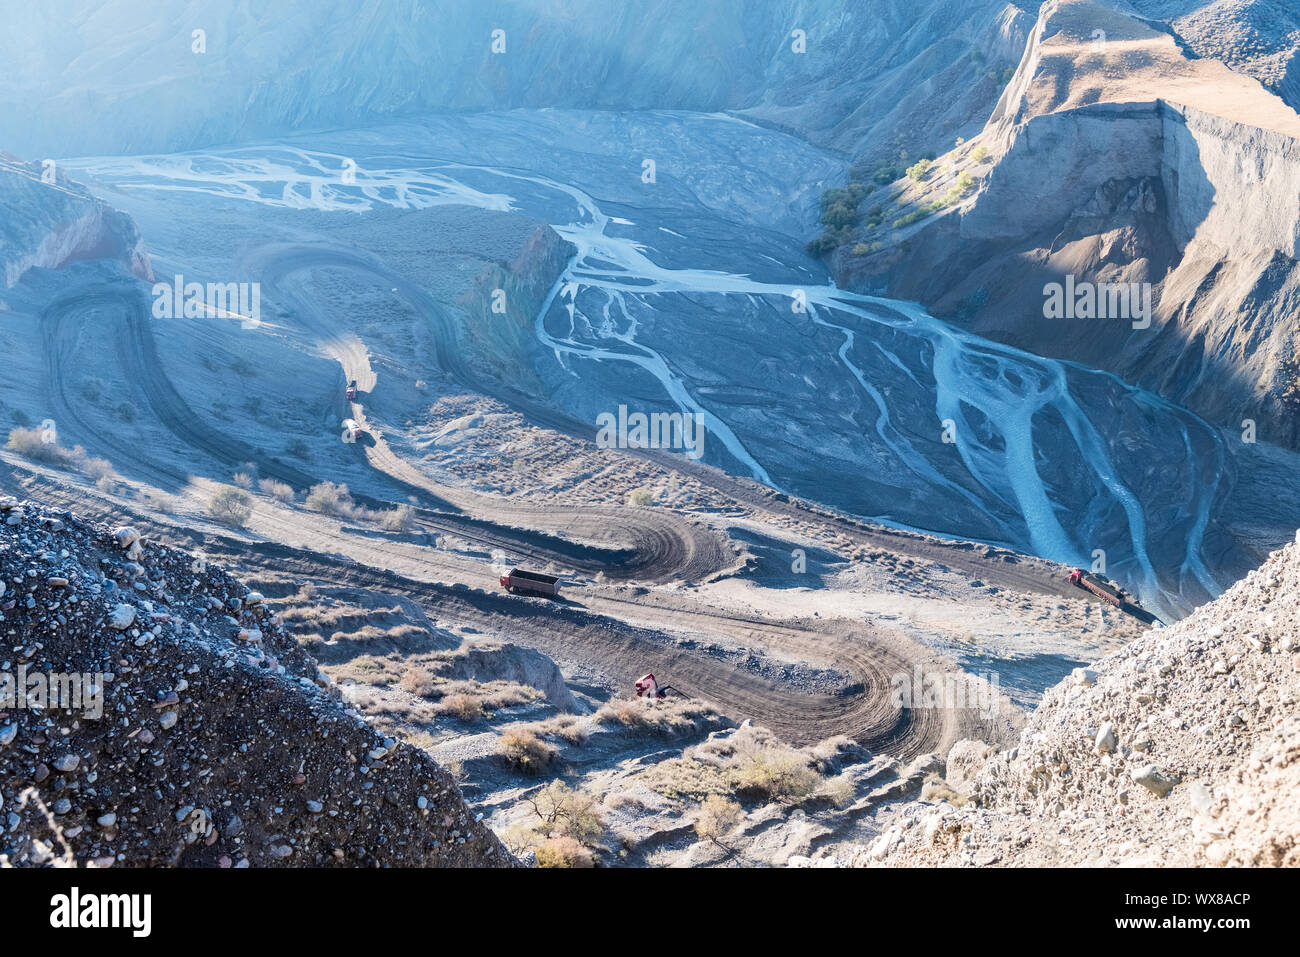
column 912, row 217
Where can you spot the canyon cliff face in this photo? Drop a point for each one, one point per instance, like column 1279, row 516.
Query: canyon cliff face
column 1115, row 159
column 49, row 224
column 502, row 303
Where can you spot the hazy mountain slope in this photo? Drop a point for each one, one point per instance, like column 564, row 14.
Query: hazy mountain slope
column 74, row 87
column 1115, row 158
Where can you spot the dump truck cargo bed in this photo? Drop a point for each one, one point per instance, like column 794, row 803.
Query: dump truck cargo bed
column 535, row 583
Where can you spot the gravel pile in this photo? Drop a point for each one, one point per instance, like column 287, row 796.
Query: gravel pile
column 188, row 728
column 1181, row 749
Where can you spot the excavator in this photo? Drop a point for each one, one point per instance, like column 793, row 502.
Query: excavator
column 650, row 689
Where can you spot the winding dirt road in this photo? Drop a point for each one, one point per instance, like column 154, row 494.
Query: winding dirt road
column 638, row 545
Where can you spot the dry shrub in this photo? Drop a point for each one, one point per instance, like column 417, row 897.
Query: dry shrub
column 686, row 778
column 417, row 681
column 937, row 789
column 330, row 499
column 31, row 444
column 97, row 469
column 464, row 706
column 160, row 502
column 773, row 775
column 567, row 726
column 717, row 818
column 276, row 490
column 839, row 791
column 525, row 751
column 400, row 519
column 826, row 753
column 641, row 497
column 669, row 716
column 564, row 852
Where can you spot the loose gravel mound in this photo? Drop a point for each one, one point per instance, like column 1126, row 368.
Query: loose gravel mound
column 200, row 734
column 1181, row 749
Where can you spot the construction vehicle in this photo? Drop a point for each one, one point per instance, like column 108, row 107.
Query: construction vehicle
column 352, row 391
column 1103, row 589
column 352, row 431
column 650, row 689
column 531, row 583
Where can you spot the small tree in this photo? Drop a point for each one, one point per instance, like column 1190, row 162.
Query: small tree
column 563, row 812
column 230, row 506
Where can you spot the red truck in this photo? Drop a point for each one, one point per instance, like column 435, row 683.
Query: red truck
column 1099, row 586
column 531, row 583
column 352, row 391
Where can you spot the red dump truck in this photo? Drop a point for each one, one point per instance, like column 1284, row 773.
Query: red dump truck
column 531, row 583
column 1103, row 589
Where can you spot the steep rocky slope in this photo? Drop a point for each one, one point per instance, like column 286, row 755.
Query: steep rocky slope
column 50, row 221
column 216, row 740
column 1114, row 157
column 1182, row 749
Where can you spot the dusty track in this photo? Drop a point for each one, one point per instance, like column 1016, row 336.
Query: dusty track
column 573, row 633
column 615, row 648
